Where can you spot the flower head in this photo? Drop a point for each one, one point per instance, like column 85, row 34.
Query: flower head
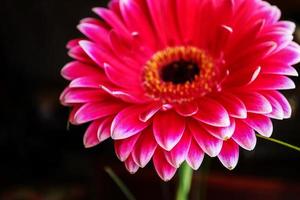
column 170, row 81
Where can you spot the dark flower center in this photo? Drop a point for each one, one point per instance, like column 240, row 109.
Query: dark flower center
column 179, row 72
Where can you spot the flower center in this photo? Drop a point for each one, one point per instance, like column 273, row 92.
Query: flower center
column 179, row 74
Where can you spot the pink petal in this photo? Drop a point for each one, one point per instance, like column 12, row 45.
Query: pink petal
column 179, row 153
column 280, row 37
column 279, row 69
column 209, row 144
column 128, row 81
column 256, row 103
column 93, row 51
column 144, row 148
column 113, row 20
column 62, row 96
column 223, row 133
column 195, row 156
column 123, row 148
column 272, row 14
column 277, row 111
column 156, row 13
column 79, row 54
column 150, row 111
column 187, row 17
column 90, row 20
column 168, row 128
column 162, row 167
column 77, row 69
column 114, row 5
column 252, row 54
column 260, row 123
column 136, row 18
column 187, row 109
column 94, row 32
column 242, row 77
column 227, row 9
column 244, row 136
column 113, row 66
column 122, row 94
column 131, row 166
column 224, row 32
column 72, row 96
column 127, row 123
column 90, row 138
column 229, row 154
column 73, row 43
column 212, row 113
column 87, row 82
column 287, row 26
column 235, row 107
column 72, row 114
column 119, row 45
column 95, row 110
column 272, row 82
column 287, row 110
column 104, row 129
column 169, row 22
column 290, row 54
column 254, row 30
column 261, row 50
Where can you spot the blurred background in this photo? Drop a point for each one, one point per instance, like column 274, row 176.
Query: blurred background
column 42, row 160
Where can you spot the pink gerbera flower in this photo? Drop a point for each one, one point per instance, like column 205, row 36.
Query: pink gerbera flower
column 170, row 81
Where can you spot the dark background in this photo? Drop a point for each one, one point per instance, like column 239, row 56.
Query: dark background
column 41, row 159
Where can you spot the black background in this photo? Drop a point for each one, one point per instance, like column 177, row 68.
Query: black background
column 40, row 158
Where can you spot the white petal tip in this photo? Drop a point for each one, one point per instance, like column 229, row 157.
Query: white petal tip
column 231, row 167
column 211, row 154
column 133, row 171
column 88, row 146
column 168, row 146
column 194, row 166
column 166, row 179
column 84, row 44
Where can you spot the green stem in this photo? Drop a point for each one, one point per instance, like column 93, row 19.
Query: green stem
column 280, row 142
column 119, row 183
column 185, row 180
